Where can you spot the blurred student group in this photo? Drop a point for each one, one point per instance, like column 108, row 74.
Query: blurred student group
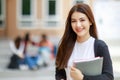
column 28, row 54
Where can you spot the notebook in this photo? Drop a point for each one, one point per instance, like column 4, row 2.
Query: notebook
column 90, row 67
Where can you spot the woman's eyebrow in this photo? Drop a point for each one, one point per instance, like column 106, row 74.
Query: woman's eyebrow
column 78, row 18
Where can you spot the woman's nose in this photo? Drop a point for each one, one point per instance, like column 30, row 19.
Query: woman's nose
column 78, row 24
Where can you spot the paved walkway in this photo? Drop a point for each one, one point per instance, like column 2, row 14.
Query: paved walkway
column 41, row 74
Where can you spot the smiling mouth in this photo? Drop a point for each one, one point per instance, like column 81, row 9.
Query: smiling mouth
column 79, row 29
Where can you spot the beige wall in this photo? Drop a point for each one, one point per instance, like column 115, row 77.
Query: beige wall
column 11, row 29
column 2, row 33
column 39, row 9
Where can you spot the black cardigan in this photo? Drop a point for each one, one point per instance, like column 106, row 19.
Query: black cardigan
column 101, row 50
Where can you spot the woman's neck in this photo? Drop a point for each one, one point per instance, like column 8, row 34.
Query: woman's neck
column 82, row 39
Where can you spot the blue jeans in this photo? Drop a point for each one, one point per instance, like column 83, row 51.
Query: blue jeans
column 32, row 61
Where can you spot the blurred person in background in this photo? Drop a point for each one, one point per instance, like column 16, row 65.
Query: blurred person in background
column 31, row 56
column 45, row 50
column 17, row 48
column 80, row 42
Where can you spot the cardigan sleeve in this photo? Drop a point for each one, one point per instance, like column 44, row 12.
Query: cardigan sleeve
column 107, row 70
column 60, row 74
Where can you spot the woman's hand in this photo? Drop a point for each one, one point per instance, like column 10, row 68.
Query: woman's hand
column 21, row 55
column 76, row 74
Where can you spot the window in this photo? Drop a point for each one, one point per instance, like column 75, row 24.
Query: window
column 79, row 1
column 52, row 7
column 2, row 13
column 26, row 4
column 26, row 13
column 51, row 13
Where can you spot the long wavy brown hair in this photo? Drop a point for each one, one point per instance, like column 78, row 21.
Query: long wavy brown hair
column 69, row 38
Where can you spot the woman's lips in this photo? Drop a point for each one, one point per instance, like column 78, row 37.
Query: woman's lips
column 79, row 29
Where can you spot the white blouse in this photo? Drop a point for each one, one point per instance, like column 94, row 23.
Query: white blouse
column 15, row 50
column 81, row 51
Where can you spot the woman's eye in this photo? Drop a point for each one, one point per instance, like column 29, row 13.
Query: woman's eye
column 72, row 21
column 82, row 20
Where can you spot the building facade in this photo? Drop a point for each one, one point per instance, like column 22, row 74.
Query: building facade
column 34, row 16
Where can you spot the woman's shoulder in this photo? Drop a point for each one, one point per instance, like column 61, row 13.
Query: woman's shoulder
column 99, row 47
column 100, row 42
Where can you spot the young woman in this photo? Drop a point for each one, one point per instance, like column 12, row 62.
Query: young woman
column 80, row 41
column 17, row 48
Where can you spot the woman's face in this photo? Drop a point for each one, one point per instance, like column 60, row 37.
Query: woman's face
column 80, row 24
